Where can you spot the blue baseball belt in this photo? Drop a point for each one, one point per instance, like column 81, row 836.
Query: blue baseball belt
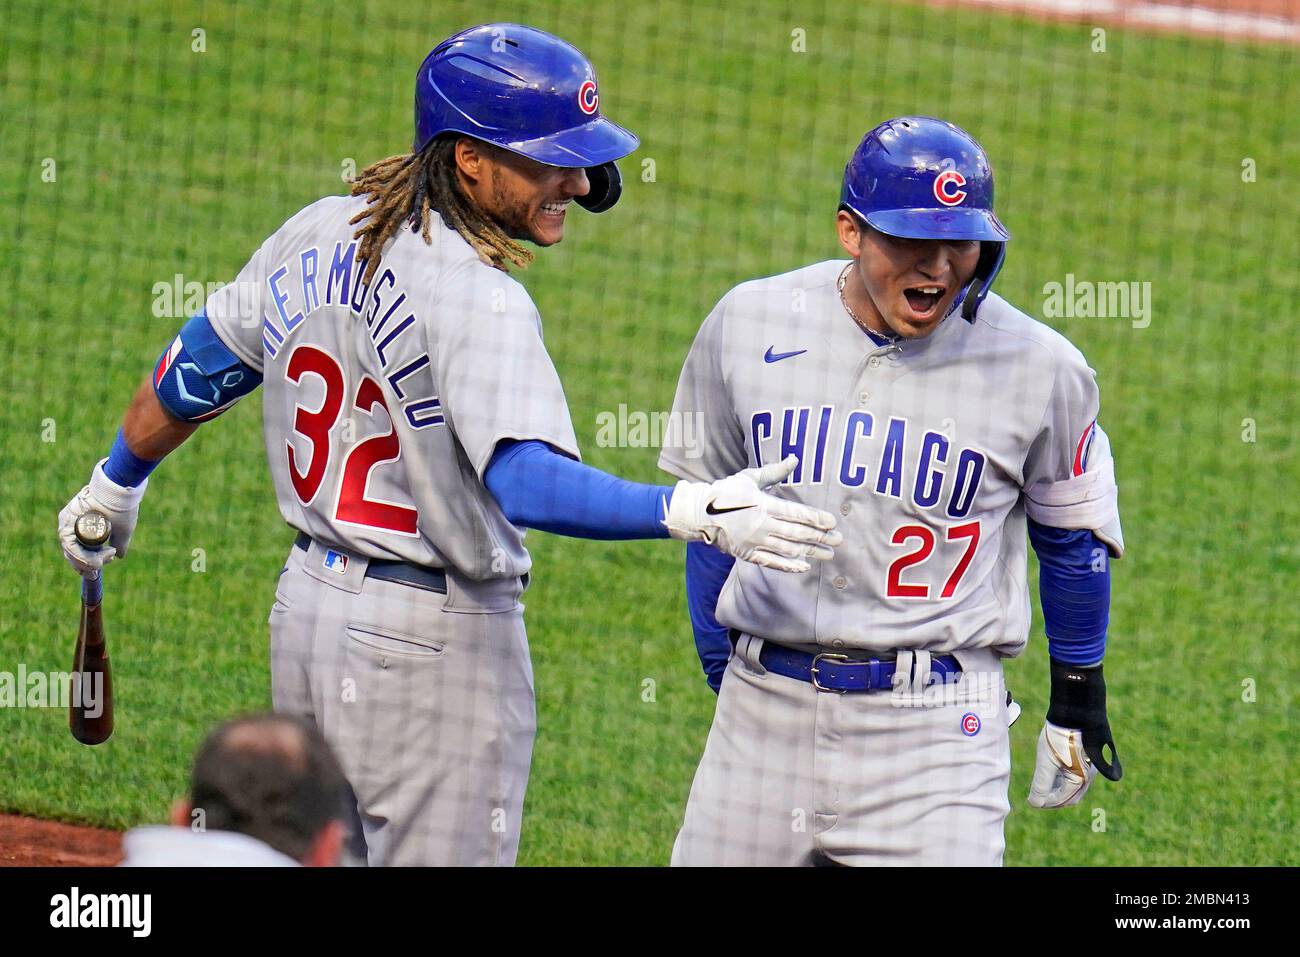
column 403, row 573
column 836, row 672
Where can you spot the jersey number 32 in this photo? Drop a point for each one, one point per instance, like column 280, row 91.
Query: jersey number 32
column 350, row 504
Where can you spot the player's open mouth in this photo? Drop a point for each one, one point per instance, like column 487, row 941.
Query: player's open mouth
column 923, row 300
column 556, row 209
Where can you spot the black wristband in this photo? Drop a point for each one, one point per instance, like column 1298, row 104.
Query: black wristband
column 1079, row 701
column 1078, row 696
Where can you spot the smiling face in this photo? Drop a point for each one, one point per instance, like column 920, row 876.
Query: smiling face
column 529, row 200
column 903, row 287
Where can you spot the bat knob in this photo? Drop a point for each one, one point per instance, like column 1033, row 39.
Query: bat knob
column 92, row 529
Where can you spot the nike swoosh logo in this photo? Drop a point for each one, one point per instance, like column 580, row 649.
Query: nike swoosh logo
column 719, row 511
column 771, row 356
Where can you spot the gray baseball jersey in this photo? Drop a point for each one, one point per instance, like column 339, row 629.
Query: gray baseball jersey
column 929, row 452
column 383, row 402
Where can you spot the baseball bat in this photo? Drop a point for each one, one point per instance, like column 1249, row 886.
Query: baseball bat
column 90, row 707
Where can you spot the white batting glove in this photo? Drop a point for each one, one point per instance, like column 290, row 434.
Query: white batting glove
column 120, row 505
column 1063, row 772
column 735, row 515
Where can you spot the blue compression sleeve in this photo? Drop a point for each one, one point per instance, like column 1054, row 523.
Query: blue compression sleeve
column 1074, row 587
column 538, row 487
column 706, row 572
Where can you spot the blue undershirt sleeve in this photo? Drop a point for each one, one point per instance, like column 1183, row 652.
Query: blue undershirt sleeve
column 1074, row 588
column 706, row 572
column 538, row 487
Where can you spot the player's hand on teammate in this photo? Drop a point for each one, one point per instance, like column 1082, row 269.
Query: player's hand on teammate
column 735, row 515
column 120, row 505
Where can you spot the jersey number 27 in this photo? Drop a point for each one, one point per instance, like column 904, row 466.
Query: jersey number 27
column 897, row 588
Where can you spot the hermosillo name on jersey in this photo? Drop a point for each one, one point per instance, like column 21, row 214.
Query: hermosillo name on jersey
column 343, row 286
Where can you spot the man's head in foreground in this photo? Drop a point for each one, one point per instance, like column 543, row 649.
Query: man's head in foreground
column 274, row 778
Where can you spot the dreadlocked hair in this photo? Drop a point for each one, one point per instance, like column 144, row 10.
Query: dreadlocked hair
column 402, row 190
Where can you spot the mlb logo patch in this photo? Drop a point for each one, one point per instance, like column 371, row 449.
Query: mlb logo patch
column 970, row 724
column 336, row 562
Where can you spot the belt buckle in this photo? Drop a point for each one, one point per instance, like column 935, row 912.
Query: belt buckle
column 817, row 684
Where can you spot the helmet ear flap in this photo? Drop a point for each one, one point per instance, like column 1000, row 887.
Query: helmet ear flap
column 990, row 263
column 606, row 187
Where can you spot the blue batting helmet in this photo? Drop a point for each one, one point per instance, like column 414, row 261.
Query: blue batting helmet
column 528, row 92
column 917, row 177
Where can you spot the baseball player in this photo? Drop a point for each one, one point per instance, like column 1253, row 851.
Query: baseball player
column 863, row 717
column 414, row 426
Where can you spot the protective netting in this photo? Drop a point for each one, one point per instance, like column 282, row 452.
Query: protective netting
column 1145, row 159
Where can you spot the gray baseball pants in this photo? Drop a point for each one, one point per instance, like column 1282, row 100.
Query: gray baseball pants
column 426, row 698
column 796, row 776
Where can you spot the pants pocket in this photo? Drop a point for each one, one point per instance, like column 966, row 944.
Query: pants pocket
column 389, row 642
column 282, row 586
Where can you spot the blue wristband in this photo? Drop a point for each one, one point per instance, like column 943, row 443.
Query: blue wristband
column 125, row 467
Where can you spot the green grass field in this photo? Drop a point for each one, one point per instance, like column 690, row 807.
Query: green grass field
column 1118, row 165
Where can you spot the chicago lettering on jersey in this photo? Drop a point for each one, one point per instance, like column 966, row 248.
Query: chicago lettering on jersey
column 308, row 281
column 889, row 457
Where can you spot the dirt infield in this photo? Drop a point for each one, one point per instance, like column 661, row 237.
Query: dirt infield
column 28, row 842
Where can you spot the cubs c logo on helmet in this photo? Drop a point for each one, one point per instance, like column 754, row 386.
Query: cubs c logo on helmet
column 588, row 98
column 942, row 191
